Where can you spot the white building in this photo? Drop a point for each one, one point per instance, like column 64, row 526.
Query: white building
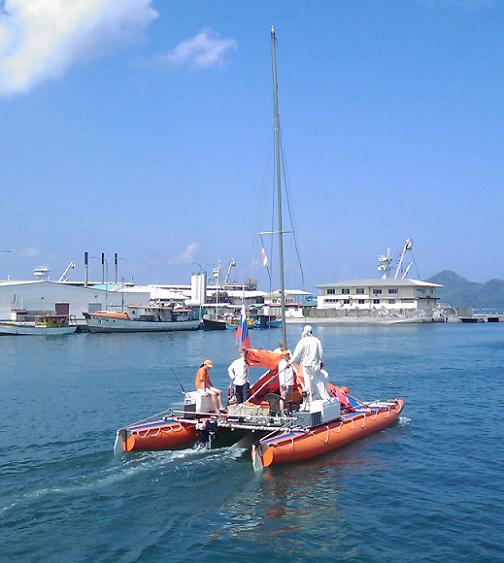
column 42, row 296
column 396, row 296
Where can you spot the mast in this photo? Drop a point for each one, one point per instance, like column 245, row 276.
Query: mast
column 278, row 184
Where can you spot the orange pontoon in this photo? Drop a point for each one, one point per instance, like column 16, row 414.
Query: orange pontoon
column 294, row 445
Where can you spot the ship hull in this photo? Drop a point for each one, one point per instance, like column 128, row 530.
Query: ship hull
column 105, row 324
column 26, row 330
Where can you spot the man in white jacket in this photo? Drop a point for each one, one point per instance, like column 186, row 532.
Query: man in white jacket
column 309, row 354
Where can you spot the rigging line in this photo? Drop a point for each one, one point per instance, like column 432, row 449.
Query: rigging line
column 260, row 209
column 287, row 198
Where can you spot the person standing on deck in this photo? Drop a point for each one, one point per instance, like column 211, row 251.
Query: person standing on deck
column 286, row 381
column 238, row 373
column 204, row 385
column 309, row 354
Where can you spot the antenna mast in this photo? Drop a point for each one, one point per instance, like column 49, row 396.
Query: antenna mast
column 278, row 183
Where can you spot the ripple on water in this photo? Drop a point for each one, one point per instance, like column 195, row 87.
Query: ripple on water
column 426, row 488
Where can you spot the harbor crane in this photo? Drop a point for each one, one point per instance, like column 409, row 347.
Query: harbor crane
column 408, row 245
column 231, row 265
column 64, row 276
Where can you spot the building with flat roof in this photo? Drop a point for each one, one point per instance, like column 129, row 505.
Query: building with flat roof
column 399, row 296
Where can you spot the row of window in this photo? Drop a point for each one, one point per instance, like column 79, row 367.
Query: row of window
column 361, row 291
column 364, row 301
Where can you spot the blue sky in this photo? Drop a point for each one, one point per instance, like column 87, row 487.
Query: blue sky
column 145, row 128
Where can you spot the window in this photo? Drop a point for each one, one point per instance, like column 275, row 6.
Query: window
column 346, row 301
column 345, row 291
column 407, row 300
column 392, row 290
column 331, row 300
column 376, row 301
column 391, row 301
column 360, row 291
column 331, row 291
column 360, row 301
column 376, row 291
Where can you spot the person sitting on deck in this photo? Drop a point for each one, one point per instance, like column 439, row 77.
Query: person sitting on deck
column 238, row 373
column 204, row 385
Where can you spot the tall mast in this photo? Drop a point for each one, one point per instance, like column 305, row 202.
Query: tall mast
column 278, row 184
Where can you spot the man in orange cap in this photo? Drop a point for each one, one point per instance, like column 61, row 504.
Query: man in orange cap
column 204, row 385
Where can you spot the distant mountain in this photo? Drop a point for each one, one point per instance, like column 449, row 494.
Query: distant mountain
column 459, row 292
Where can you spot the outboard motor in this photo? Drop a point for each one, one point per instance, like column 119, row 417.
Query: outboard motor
column 206, row 433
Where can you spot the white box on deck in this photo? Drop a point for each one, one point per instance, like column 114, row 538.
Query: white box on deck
column 204, row 403
column 330, row 409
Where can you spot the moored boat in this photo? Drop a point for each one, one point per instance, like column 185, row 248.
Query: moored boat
column 214, row 323
column 41, row 325
column 154, row 318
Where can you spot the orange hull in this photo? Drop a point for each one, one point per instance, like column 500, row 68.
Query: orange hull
column 160, row 435
column 293, row 446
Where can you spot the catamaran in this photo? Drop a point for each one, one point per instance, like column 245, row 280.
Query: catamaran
column 275, row 433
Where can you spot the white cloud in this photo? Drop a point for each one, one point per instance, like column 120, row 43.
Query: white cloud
column 41, row 39
column 30, row 252
column 204, row 50
column 187, row 255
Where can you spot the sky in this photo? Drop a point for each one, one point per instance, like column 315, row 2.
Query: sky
column 144, row 127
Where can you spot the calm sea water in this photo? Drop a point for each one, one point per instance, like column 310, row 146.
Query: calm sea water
column 426, row 489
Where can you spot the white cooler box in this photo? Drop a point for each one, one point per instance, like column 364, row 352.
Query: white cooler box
column 203, row 403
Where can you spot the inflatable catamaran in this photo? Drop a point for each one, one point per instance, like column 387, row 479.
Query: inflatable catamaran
column 307, row 431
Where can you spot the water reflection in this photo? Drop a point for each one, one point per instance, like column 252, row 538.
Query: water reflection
column 285, row 501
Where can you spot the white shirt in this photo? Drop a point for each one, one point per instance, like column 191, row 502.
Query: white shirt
column 308, row 351
column 238, row 371
column 285, row 374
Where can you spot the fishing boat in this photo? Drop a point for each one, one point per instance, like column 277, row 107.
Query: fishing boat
column 266, row 321
column 42, row 325
column 152, row 318
column 276, row 432
column 214, row 323
column 233, row 321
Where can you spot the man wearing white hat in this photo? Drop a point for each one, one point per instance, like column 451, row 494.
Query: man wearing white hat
column 309, row 354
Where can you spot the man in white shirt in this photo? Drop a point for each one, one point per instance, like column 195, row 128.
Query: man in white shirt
column 286, row 380
column 309, row 354
column 238, row 373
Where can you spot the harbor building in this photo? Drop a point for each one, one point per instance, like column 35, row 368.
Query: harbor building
column 393, row 295
column 402, row 297
column 42, row 296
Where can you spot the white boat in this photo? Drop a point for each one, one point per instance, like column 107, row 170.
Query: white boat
column 43, row 325
column 153, row 318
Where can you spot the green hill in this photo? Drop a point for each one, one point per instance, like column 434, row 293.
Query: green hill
column 459, row 292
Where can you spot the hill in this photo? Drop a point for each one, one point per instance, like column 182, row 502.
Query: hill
column 459, row 292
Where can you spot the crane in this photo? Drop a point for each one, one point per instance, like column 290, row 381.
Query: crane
column 231, row 265
column 64, row 277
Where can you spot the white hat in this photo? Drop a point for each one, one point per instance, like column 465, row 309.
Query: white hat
column 307, row 330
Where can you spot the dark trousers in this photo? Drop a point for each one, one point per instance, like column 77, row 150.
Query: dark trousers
column 242, row 393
